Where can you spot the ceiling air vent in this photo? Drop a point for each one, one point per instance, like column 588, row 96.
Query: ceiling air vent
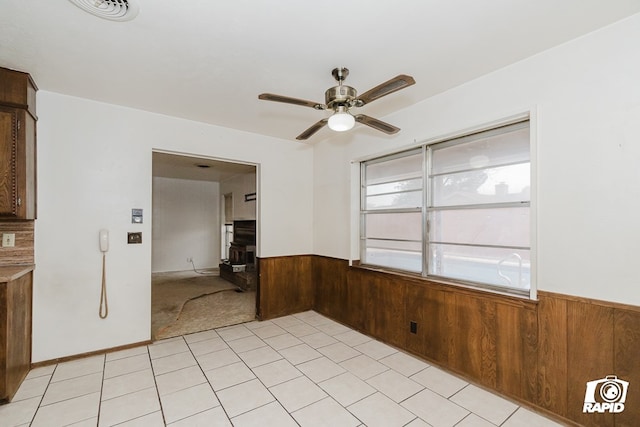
column 113, row 10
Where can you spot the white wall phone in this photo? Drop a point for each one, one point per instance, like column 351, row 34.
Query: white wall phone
column 103, row 237
column 104, row 240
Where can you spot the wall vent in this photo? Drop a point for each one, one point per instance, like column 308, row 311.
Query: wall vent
column 113, row 10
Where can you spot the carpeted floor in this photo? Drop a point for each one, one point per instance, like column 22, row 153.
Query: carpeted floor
column 187, row 302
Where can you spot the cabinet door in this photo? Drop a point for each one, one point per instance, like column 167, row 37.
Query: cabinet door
column 17, row 164
column 8, row 162
column 15, row 339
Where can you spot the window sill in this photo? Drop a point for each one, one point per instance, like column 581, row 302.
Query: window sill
column 450, row 285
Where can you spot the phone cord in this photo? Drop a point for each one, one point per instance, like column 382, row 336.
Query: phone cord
column 104, row 306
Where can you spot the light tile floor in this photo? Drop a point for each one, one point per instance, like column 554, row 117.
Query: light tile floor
column 299, row 370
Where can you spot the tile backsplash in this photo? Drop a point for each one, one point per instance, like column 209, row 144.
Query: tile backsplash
column 22, row 252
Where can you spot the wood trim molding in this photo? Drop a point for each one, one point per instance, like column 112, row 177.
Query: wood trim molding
column 88, row 354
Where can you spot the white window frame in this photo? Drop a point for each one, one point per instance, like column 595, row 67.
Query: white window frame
column 401, row 210
column 529, row 117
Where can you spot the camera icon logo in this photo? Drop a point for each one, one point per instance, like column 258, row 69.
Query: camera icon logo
column 607, row 394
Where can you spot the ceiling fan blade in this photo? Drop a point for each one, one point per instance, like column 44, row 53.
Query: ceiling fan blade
column 399, row 82
column 313, row 129
column 377, row 124
column 289, row 100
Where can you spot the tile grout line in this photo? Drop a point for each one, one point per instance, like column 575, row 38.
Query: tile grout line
column 275, row 399
column 153, row 373
column 511, row 415
column 416, row 418
column 266, row 345
column 104, row 368
column 363, row 380
column 408, row 397
column 346, row 408
column 40, row 405
column 316, row 330
column 259, row 380
column 476, row 414
column 207, row 378
column 33, row 418
column 460, row 406
column 329, row 396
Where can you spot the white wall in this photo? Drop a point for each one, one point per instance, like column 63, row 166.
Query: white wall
column 238, row 186
column 186, row 223
column 94, row 166
column 585, row 97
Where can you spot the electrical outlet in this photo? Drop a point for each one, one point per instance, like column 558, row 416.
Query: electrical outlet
column 189, row 259
column 8, row 240
column 134, row 238
column 413, row 327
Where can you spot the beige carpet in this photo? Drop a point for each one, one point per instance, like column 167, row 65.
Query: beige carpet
column 187, row 302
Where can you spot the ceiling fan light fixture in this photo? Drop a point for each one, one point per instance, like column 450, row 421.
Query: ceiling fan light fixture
column 112, row 10
column 340, row 99
column 341, row 120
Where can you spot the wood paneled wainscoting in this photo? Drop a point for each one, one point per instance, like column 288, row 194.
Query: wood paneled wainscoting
column 284, row 286
column 540, row 353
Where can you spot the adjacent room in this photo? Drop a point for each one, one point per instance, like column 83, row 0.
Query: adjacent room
column 341, row 213
column 201, row 276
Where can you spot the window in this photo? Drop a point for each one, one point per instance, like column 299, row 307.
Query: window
column 392, row 211
column 456, row 209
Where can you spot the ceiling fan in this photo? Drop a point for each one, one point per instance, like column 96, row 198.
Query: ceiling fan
column 341, row 99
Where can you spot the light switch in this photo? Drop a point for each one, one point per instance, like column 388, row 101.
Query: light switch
column 8, row 240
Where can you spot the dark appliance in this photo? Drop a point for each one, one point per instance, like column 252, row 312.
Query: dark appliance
column 243, row 247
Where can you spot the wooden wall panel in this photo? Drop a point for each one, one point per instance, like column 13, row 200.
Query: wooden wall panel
column 451, row 321
column 358, row 286
column 510, row 347
column 552, row 355
column 427, row 307
column 418, row 308
column 626, row 363
column 330, row 298
column 590, row 356
column 530, row 337
column 285, row 286
column 386, row 310
column 465, row 351
column 541, row 353
column 488, row 351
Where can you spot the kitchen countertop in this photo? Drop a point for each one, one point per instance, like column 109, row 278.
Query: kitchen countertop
column 13, row 272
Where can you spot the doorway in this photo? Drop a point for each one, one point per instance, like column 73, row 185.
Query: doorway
column 189, row 231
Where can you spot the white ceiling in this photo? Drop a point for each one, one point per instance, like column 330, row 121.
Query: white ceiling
column 208, row 60
column 169, row 165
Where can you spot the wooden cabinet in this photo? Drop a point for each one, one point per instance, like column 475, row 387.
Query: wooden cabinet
column 17, row 146
column 15, row 328
column 17, row 202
